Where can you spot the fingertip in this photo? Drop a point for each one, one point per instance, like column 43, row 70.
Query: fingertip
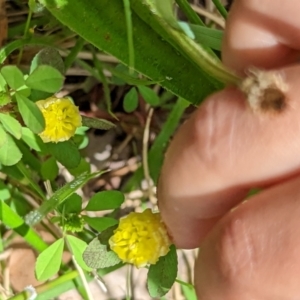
column 260, row 36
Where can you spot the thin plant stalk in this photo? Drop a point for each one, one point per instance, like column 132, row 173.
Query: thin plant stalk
column 129, row 35
column 69, row 60
column 189, row 12
column 194, row 19
column 46, row 286
column 26, row 34
column 99, row 67
column 220, row 8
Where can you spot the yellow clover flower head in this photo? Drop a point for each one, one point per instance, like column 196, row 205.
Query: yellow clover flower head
column 61, row 117
column 140, row 239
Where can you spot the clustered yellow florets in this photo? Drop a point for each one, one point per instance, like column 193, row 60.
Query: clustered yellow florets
column 61, row 117
column 140, row 239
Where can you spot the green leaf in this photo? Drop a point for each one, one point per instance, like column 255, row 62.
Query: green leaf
column 106, row 234
column 97, row 123
column 31, row 114
column 162, row 275
column 12, row 220
column 149, row 95
column 11, row 125
column 186, row 28
column 30, row 159
column 105, row 200
column 3, row 83
column 83, row 167
column 4, row 191
column 157, row 151
column 3, row 136
column 97, row 256
column 72, row 204
column 10, row 153
column 207, row 36
column 24, row 90
column 131, row 100
column 45, row 78
column 4, row 98
column 189, row 292
column 161, row 63
column 166, row 10
column 39, row 95
column 59, row 197
column 32, row 5
column 32, row 140
column 48, row 56
column 77, row 247
column 81, row 141
column 100, row 224
column 49, row 169
column 66, row 153
column 13, row 76
column 49, row 261
column 121, row 75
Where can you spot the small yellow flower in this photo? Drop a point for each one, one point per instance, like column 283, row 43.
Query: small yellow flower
column 61, row 117
column 140, row 239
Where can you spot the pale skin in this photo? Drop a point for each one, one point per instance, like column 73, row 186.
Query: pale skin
column 250, row 250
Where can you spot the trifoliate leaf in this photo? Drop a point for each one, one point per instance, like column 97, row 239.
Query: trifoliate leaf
column 45, row 78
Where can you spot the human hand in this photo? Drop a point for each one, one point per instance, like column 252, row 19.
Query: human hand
column 223, row 150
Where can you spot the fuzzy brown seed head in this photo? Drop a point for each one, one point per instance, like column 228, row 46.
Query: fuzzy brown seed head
column 265, row 91
column 273, row 99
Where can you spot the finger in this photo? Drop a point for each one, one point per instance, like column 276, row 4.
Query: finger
column 219, row 153
column 262, row 33
column 253, row 252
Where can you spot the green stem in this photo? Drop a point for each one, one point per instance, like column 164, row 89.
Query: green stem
column 184, row 283
column 220, row 8
column 83, row 279
column 21, row 167
column 9, row 48
column 80, row 271
column 26, row 30
column 74, row 52
column 59, row 197
column 103, row 79
column 189, row 12
column 188, row 47
column 46, row 286
column 129, row 35
column 194, row 19
column 16, row 223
